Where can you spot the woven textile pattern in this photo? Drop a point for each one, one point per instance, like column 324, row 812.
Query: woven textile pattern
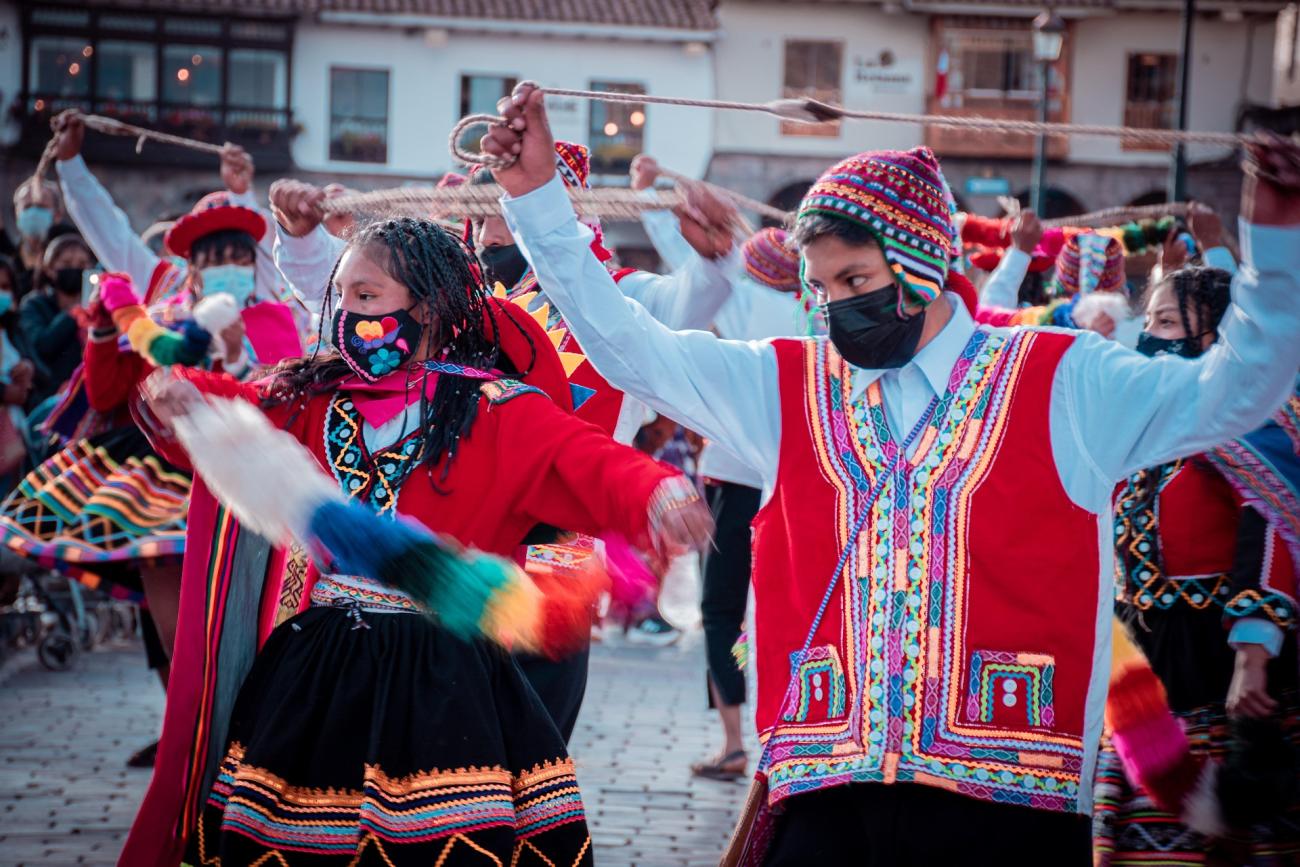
column 438, row 804
column 920, row 704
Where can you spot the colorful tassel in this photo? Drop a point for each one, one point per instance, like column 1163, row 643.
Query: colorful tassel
column 216, row 313
column 275, row 488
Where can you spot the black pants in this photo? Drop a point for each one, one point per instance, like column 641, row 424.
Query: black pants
column 907, row 825
column 726, row 585
column 560, row 684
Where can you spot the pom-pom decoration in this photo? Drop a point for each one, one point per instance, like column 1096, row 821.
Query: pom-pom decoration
column 275, row 488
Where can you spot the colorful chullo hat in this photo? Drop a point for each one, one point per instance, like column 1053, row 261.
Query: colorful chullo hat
column 1090, row 262
column 772, row 260
column 902, row 199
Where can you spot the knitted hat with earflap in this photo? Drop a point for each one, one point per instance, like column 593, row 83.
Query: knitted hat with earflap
column 1090, row 262
column 771, row 259
column 902, row 199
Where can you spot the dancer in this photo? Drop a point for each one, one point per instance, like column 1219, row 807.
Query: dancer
column 927, row 658
column 688, row 298
column 1205, row 587
column 363, row 725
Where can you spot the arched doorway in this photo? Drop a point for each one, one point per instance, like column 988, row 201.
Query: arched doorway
column 1056, row 203
column 1154, row 197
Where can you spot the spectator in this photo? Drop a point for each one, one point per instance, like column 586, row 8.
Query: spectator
column 46, row 318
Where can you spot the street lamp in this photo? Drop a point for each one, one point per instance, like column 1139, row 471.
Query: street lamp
column 1049, row 38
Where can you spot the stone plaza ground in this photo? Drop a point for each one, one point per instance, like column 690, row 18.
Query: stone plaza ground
column 66, row 796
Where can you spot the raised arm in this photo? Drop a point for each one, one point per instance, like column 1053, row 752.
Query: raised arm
column 1003, row 286
column 1128, row 411
column 304, row 251
column 100, row 221
column 691, row 296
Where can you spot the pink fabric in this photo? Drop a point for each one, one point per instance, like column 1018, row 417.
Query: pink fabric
column 272, row 331
column 116, row 291
column 1151, row 747
column 381, row 402
column 632, row 582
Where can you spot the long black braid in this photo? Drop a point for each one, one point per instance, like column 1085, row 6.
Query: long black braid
column 441, row 272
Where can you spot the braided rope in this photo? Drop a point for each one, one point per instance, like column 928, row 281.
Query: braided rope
column 807, row 110
column 1124, row 214
column 761, row 208
column 483, row 200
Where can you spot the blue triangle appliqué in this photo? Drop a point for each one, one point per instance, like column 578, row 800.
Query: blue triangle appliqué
column 581, row 394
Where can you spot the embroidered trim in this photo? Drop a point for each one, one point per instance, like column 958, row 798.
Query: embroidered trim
column 419, row 807
column 372, row 479
column 906, row 669
column 504, row 390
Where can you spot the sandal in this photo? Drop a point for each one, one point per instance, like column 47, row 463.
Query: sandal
column 724, row 768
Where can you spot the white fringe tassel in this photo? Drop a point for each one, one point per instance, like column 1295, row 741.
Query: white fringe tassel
column 264, row 475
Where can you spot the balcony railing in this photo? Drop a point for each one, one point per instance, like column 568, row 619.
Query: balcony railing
column 264, row 133
column 976, row 143
column 1147, row 114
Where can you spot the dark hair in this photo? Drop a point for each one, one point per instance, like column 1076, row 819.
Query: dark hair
column 1208, row 291
column 215, row 244
column 810, row 228
column 441, row 272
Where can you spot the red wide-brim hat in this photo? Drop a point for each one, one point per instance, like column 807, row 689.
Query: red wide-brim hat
column 215, row 212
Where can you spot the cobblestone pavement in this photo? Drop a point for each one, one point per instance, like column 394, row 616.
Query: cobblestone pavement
column 66, row 796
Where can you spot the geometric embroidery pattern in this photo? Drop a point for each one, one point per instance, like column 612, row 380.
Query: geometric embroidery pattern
column 908, row 713
column 1011, row 680
column 434, row 805
column 818, row 677
column 373, row 479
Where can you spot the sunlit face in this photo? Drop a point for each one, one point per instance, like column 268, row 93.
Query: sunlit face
column 1164, row 320
column 492, row 232
column 363, row 286
column 835, row 269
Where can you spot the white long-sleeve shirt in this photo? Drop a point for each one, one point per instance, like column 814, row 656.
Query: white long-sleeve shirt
column 1113, row 411
column 108, row 231
column 753, row 312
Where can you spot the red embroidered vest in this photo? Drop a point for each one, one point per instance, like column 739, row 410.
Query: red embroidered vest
column 958, row 647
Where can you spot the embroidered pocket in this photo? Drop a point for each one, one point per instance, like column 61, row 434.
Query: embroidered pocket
column 1011, row 690
column 818, row 695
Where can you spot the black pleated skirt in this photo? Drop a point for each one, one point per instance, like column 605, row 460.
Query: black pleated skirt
column 365, row 738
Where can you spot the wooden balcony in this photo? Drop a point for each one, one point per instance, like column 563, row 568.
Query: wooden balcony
column 264, row 133
column 994, row 145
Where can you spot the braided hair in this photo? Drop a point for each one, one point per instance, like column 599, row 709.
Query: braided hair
column 1202, row 289
column 442, row 275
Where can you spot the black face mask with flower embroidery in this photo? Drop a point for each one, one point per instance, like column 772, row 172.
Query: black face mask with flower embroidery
column 375, row 346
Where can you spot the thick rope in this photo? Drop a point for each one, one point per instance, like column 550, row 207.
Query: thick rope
column 1116, row 216
column 475, row 201
column 741, row 201
column 111, row 126
column 808, row 110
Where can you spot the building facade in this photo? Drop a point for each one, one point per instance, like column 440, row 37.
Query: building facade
column 365, row 93
column 1118, row 67
column 340, row 91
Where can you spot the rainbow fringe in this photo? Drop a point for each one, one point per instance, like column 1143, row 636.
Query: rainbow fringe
column 159, row 345
column 277, row 489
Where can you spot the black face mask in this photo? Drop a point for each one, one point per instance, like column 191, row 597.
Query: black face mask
column 67, row 281
column 868, row 331
column 1150, row 345
column 504, row 264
